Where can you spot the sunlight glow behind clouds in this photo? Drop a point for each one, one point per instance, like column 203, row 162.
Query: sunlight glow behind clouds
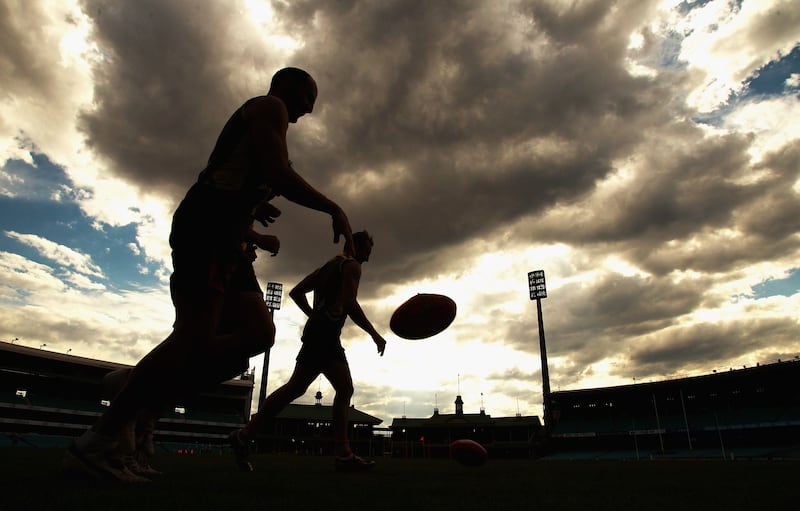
column 716, row 46
column 262, row 15
column 774, row 121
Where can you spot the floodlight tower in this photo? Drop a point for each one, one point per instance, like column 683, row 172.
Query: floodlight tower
column 538, row 290
column 273, row 298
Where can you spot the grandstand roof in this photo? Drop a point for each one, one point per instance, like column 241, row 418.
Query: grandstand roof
column 324, row 413
column 782, row 373
column 15, row 357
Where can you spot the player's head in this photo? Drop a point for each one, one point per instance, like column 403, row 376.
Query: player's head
column 297, row 89
column 362, row 244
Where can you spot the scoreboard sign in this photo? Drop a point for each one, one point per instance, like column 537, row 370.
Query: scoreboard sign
column 536, row 285
column 273, row 295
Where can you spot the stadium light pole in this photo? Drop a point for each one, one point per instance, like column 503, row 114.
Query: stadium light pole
column 273, row 299
column 538, row 290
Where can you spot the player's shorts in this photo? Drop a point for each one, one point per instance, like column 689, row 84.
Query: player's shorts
column 206, row 242
column 321, row 345
column 243, row 280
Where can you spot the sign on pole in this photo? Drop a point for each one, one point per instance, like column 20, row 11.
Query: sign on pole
column 536, row 284
column 538, row 290
column 273, row 295
column 273, row 299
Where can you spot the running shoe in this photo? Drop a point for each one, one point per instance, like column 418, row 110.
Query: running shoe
column 99, row 465
column 142, row 463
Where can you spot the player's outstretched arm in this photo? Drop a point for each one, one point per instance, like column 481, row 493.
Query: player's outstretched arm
column 269, row 121
column 351, row 275
column 360, row 319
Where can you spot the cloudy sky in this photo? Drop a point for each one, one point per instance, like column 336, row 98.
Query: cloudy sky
column 643, row 153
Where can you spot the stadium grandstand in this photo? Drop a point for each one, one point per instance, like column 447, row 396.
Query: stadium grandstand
column 745, row 413
column 46, row 398
column 749, row 412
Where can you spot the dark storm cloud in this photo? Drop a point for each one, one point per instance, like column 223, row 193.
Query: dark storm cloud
column 777, row 214
column 445, row 106
column 26, row 71
column 592, row 316
column 702, row 346
column 164, row 87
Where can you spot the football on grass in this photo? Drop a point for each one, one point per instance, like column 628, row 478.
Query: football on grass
column 422, row 316
column 468, row 452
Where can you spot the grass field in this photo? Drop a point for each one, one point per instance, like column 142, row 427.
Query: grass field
column 31, row 480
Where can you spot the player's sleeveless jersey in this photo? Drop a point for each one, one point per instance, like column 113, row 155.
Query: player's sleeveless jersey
column 232, row 167
column 218, row 208
column 329, row 315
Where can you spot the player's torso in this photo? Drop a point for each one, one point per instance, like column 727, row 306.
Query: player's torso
column 232, row 166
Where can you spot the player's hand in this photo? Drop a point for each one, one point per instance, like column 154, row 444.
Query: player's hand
column 380, row 342
column 341, row 227
column 266, row 213
column 269, row 243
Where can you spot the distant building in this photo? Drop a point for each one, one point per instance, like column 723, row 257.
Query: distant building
column 431, row 437
column 308, row 429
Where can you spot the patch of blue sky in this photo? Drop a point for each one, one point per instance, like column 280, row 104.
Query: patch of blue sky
column 40, row 181
column 779, row 287
column 768, row 81
column 685, row 7
column 30, row 210
column 771, row 79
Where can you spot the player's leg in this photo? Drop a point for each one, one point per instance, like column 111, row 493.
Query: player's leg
column 112, row 384
column 248, row 317
column 229, row 355
column 246, row 314
column 241, row 440
column 152, row 381
column 167, row 366
column 338, row 374
column 145, row 448
column 302, row 377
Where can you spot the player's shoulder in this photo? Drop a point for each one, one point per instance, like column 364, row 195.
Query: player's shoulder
column 345, row 259
column 350, row 265
column 265, row 109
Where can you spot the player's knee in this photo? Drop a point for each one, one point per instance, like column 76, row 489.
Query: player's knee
column 269, row 335
column 261, row 336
